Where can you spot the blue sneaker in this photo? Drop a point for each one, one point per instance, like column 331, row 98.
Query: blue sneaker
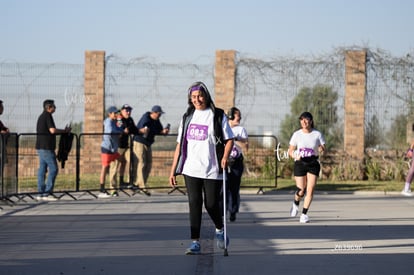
column 194, row 248
column 220, row 238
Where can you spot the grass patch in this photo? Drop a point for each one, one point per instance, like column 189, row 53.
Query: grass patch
column 91, row 182
column 350, row 186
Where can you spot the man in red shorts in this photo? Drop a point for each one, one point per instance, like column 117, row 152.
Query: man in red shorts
column 109, row 149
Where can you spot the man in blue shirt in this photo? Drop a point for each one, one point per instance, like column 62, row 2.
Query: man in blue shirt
column 148, row 126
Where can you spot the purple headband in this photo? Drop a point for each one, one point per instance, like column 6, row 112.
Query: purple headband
column 196, row 88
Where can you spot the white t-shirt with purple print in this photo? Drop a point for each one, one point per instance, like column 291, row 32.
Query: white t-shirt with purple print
column 201, row 161
column 307, row 144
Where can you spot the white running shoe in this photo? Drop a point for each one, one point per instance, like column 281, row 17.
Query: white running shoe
column 49, row 198
column 103, row 195
column 294, row 210
column 407, row 193
column 304, row 218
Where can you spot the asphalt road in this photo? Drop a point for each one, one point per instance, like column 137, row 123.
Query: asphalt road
column 363, row 233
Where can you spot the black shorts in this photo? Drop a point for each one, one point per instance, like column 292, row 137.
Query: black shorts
column 306, row 165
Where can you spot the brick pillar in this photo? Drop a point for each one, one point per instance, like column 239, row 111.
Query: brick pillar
column 355, row 87
column 94, row 86
column 94, row 91
column 225, row 79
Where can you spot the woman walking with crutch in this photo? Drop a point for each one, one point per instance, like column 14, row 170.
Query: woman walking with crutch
column 203, row 146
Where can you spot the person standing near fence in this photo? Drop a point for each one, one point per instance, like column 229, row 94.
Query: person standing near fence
column 118, row 166
column 410, row 174
column 46, row 132
column 148, row 126
column 204, row 143
column 304, row 147
column 109, row 150
column 236, row 165
column 4, row 131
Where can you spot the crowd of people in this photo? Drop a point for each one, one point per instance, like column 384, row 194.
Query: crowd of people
column 116, row 149
column 210, row 143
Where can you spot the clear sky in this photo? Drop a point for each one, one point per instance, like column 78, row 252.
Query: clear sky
column 189, row 30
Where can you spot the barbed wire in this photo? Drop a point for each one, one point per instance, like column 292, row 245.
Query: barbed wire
column 265, row 87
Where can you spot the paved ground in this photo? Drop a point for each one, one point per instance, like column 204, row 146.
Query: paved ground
column 348, row 234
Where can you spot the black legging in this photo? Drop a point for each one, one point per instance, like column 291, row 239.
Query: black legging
column 233, row 186
column 211, row 189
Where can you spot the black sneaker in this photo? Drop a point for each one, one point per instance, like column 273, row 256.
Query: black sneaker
column 232, row 217
column 146, row 192
column 123, row 185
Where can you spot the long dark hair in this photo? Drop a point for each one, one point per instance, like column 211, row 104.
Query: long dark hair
column 198, row 85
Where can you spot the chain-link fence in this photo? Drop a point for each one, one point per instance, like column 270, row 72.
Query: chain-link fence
column 265, row 90
column 25, row 86
column 389, row 101
column 142, row 85
column 266, row 93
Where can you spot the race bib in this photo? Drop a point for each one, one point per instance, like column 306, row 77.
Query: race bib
column 234, row 153
column 306, row 152
column 197, row 132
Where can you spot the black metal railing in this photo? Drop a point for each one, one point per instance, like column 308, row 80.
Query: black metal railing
column 19, row 163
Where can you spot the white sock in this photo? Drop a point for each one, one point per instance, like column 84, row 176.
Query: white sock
column 407, row 186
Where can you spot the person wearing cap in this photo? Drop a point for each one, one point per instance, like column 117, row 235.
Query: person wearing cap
column 118, row 166
column 109, row 150
column 148, row 127
column 45, row 146
column 305, row 146
column 204, row 143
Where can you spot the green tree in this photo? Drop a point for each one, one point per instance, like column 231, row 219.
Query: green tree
column 320, row 101
column 373, row 134
column 397, row 134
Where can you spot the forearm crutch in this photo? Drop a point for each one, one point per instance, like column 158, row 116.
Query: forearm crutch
column 225, row 212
